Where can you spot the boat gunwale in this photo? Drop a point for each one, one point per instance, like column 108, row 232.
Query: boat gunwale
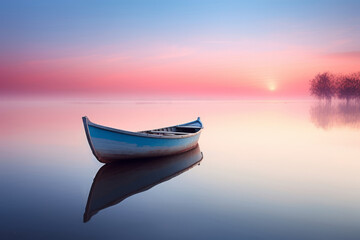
column 146, row 135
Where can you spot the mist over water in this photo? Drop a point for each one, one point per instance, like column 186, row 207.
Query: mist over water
column 269, row 170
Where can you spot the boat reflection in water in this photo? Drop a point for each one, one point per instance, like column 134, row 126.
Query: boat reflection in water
column 117, row 181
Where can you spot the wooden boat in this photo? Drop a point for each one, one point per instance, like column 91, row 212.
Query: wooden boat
column 115, row 182
column 111, row 145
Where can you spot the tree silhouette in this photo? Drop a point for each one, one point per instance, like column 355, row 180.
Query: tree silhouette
column 323, row 86
column 348, row 87
column 326, row 86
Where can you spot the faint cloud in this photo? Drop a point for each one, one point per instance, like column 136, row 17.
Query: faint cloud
column 341, row 42
column 174, row 52
column 88, row 58
column 112, row 59
column 222, row 42
column 346, row 55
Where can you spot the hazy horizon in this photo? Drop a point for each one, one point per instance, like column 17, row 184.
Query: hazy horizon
column 119, row 98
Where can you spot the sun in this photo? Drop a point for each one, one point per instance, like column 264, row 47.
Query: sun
column 272, row 87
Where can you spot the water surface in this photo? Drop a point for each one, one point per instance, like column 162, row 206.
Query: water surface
column 270, row 170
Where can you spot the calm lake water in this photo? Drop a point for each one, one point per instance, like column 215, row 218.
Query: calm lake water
column 268, row 170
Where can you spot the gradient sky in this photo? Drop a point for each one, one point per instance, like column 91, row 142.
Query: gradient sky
column 174, row 48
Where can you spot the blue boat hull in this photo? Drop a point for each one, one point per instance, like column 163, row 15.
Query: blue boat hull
column 111, row 145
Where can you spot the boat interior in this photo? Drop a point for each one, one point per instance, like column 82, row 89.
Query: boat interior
column 176, row 130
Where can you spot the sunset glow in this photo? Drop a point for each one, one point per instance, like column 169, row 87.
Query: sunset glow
column 175, row 49
column 272, row 86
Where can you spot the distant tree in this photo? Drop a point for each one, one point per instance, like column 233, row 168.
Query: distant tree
column 323, row 86
column 357, row 79
column 348, row 87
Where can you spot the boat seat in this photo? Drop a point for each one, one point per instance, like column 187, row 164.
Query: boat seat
column 188, row 127
column 169, row 132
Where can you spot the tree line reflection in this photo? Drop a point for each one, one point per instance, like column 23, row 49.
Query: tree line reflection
column 327, row 115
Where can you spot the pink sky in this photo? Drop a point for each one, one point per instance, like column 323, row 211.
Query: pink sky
column 269, row 57
column 179, row 71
